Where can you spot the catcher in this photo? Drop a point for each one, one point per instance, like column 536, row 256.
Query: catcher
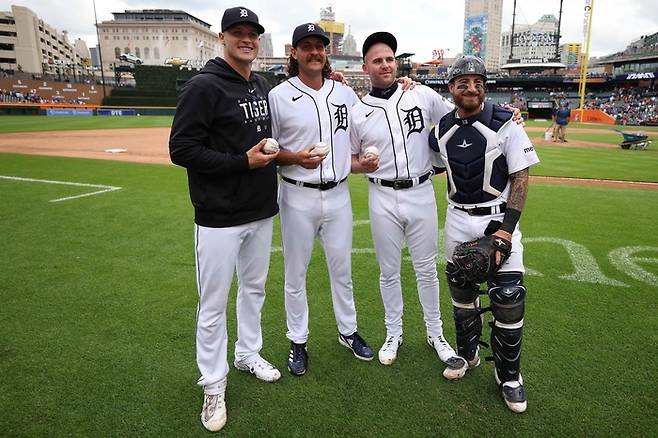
column 486, row 156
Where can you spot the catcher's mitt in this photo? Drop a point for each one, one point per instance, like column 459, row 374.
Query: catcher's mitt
column 477, row 259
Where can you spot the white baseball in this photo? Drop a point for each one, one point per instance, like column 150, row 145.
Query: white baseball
column 320, row 149
column 271, row 146
column 371, row 152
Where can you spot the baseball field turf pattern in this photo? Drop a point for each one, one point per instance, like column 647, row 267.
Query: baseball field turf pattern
column 99, row 301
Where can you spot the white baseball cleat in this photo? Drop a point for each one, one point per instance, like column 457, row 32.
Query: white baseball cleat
column 213, row 414
column 442, row 347
column 457, row 366
column 259, row 367
column 389, row 351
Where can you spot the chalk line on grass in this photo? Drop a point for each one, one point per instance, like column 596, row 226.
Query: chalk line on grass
column 104, row 188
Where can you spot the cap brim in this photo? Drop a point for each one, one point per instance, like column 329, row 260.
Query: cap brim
column 259, row 28
column 324, row 39
column 380, row 37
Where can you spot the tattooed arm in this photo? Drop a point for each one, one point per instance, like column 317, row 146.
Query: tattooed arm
column 515, row 203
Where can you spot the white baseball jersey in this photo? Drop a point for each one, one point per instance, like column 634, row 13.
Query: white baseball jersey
column 399, row 127
column 303, row 117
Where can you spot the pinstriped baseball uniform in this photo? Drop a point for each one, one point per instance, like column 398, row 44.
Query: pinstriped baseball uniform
column 399, row 127
column 315, row 203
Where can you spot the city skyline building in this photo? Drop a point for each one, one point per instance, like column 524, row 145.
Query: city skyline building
column 335, row 30
column 30, row 45
column 533, row 43
column 482, row 27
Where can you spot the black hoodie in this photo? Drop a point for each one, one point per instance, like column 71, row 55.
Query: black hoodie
column 219, row 117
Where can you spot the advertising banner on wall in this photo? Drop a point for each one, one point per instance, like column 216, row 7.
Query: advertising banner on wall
column 475, row 35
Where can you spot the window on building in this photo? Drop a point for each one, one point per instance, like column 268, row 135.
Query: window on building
column 156, row 52
column 137, row 52
column 146, row 53
column 117, row 52
column 126, row 50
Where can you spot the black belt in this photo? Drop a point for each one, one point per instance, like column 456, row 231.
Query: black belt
column 322, row 186
column 484, row 211
column 401, row 183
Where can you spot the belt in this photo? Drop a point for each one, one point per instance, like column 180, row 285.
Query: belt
column 398, row 184
column 321, row 186
column 484, row 211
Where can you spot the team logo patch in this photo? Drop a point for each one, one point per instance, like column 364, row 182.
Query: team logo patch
column 341, row 117
column 311, row 28
column 243, row 13
column 464, row 145
column 414, row 120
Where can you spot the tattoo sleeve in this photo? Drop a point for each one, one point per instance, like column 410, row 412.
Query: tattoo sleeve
column 518, row 190
column 516, row 200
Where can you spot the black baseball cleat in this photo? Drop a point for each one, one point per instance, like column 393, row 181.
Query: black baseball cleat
column 513, row 394
column 297, row 359
column 358, row 346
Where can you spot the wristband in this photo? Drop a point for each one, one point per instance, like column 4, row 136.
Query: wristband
column 510, row 220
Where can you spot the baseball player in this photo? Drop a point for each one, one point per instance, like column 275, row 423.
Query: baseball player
column 310, row 121
column 401, row 200
column 220, row 127
column 486, row 157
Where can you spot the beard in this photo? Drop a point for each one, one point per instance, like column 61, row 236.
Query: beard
column 469, row 103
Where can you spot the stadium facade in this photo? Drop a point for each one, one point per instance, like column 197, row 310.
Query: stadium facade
column 154, row 35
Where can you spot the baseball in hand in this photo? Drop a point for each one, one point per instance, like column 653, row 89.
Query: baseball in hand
column 321, row 149
column 371, row 152
column 271, row 146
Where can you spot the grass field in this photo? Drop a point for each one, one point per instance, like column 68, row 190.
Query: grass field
column 35, row 123
column 98, row 315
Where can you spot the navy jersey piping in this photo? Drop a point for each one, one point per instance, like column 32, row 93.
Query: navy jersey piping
column 390, row 132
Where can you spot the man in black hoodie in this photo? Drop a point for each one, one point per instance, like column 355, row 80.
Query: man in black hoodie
column 222, row 123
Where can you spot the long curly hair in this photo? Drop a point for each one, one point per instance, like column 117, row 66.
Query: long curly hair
column 293, row 68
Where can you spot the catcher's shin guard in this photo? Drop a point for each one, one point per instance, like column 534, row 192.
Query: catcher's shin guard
column 466, row 309
column 507, row 295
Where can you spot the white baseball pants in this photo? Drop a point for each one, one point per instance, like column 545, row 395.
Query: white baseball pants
column 326, row 214
column 396, row 216
column 219, row 252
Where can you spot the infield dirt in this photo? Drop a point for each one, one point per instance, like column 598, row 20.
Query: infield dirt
column 150, row 145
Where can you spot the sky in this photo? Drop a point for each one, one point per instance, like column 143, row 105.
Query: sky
column 420, row 26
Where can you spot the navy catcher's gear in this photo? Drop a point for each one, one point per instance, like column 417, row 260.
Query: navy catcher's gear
column 477, row 168
column 467, row 313
column 476, row 260
column 467, row 65
column 507, row 295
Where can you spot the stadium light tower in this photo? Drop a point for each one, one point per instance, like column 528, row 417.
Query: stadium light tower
column 100, row 55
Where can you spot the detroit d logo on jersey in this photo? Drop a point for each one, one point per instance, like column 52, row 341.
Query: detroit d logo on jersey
column 340, row 116
column 414, row 120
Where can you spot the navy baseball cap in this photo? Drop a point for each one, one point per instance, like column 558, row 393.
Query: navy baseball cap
column 379, row 37
column 238, row 15
column 306, row 30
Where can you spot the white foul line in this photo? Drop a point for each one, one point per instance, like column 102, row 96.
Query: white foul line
column 66, row 183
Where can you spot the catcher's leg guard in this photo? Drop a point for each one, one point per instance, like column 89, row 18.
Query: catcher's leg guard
column 466, row 310
column 507, row 295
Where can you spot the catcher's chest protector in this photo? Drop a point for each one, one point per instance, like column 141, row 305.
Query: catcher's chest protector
column 476, row 167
